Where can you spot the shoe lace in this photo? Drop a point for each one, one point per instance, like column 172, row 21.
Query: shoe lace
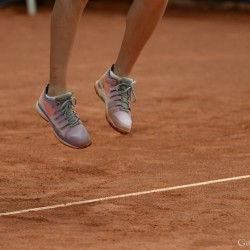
column 66, row 107
column 126, row 92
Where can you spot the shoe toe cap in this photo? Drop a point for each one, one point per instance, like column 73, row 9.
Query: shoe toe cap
column 122, row 121
column 78, row 137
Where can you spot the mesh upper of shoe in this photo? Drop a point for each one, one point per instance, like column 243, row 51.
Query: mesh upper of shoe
column 66, row 105
column 121, row 93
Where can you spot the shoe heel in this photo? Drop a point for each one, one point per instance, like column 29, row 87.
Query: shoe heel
column 97, row 92
column 40, row 112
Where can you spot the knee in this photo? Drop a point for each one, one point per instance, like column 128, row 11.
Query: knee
column 155, row 4
column 72, row 2
column 79, row 2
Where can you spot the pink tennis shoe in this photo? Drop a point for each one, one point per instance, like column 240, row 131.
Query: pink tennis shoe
column 116, row 93
column 59, row 112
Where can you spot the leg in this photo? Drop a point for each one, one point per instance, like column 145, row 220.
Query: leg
column 142, row 19
column 65, row 19
column 114, row 87
column 55, row 105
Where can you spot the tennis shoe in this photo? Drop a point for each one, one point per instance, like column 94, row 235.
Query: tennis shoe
column 116, row 92
column 59, row 112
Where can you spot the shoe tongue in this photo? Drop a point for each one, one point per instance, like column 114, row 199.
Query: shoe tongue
column 118, row 79
column 63, row 97
column 126, row 80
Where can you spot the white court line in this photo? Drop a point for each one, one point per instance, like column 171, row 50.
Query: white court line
column 125, row 195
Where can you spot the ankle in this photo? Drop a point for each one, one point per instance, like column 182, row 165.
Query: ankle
column 55, row 90
column 119, row 71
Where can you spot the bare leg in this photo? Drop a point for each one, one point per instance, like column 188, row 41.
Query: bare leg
column 142, row 19
column 65, row 18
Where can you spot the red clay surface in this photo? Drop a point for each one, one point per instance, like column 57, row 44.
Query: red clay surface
column 191, row 124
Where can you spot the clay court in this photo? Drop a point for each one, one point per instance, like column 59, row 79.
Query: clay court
column 191, row 125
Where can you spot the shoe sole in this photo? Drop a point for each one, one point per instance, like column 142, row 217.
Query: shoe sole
column 101, row 96
column 43, row 115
